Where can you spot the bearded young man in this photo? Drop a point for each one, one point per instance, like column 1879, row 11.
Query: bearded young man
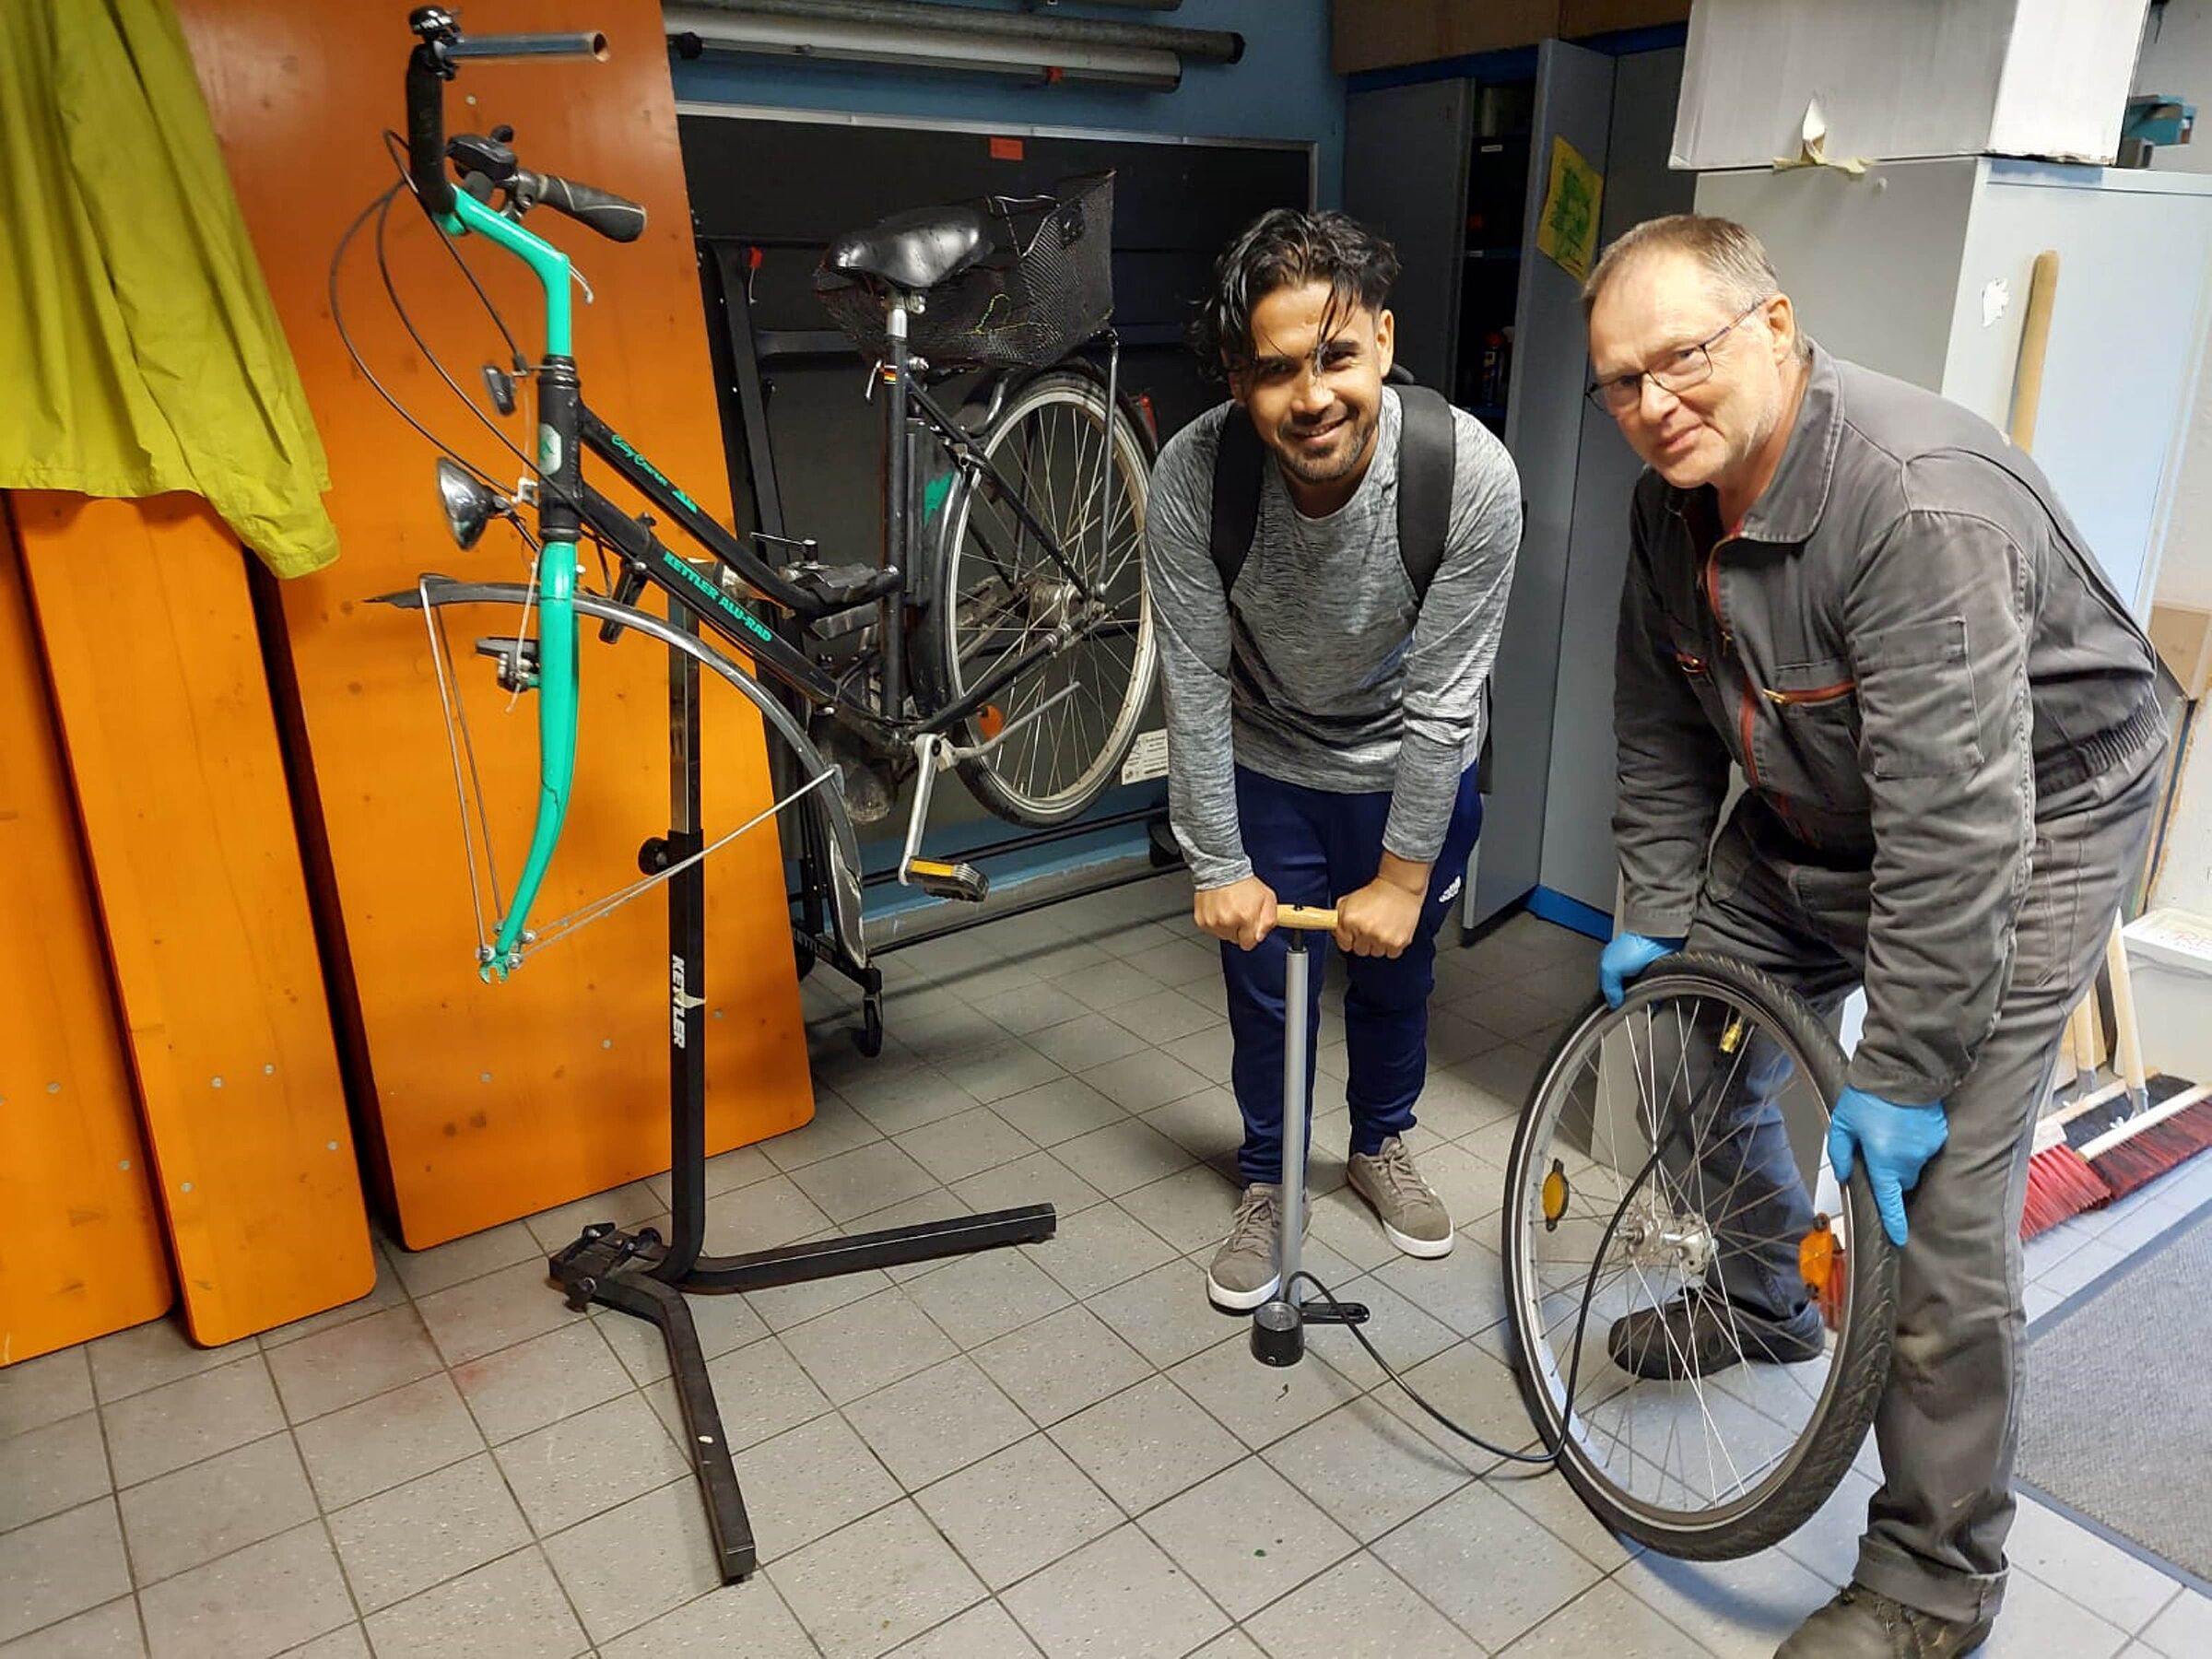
column 1324, row 688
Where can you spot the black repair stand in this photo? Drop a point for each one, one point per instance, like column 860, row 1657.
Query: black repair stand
column 644, row 1275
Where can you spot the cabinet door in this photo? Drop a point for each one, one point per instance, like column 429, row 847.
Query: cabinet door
column 1406, row 174
column 1543, row 431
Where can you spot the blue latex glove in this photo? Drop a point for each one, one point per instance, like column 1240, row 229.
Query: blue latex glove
column 1624, row 957
column 1896, row 1142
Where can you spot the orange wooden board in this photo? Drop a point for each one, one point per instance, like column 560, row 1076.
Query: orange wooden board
column 81, row 1255
column 494, row 1102
column 147, row 628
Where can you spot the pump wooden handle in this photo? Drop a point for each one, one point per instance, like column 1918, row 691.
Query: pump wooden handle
column 1305, row 917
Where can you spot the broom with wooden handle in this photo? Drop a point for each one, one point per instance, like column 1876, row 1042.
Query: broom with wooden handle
column 2061, row 1183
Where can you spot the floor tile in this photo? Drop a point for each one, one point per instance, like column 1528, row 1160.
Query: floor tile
column 346, row 1365
column 1099, row 1248
column 189, row 1517
column 1405, row 1333
column 1258, row 1403
column 46, row 1470
column 853, row 1183
column 1538, row 1492
column 1117, row 1597
column 1205, row 1124
column 1061, row 1364
column 60, row 1566
column 34, row 1393
column 1607, row 1619
column 868, row 1346
column 496, row 1311
column 1208, row 1051
column 1743, row 1609
column 1464, row 1289
column 992, row 1074
column 426, row 1271
column 1178, row 962
column 1477, row 1558
column 1122, row 1156
column 863, row 1590
column 761, row 1391
column 387, row 1441
column 806, row 1483
column 249, row 1604
column 1247, row 1536
column 1088, row 1040
column 625, row 1206
column 1145, row 1079
column 547, row 1378
column 110, row 1631
column 1164, row 1314
column 993, row 1291
column 783, row 1306
column 1038, row 1179
column 985, row 1631
column 737, row 1621
column 1165, row 1016
column 1368, row 1469
column 762, row 1215
column 1147, row 1443
column 387, row 1292
column 940, row 1420
column 1359, row 1609
column 2040, row 1623
column 966, row 1144
column 835, row 1127
column 511, row 1608
column 1019, row 1509
column 147, row 1356
column 1031, row 1006
column 2184, row 1628
column 179, row 1423
column 2102, row 1576
column 1058, row 1110
column 415, row 1536
column 1475, row 1390
column 637, row 1562
column 570, row 1470
column 898, row 1099
column 1191, row 1210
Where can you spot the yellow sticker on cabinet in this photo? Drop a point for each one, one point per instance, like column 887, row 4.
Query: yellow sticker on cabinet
column 1567, row 234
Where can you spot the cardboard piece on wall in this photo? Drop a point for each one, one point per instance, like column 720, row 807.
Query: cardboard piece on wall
column 1381, row 34
column 1899, row 79
column 1566, row 230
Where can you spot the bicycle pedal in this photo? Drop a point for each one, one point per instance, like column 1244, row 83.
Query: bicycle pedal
column 942, row 880
column 1320, row 1312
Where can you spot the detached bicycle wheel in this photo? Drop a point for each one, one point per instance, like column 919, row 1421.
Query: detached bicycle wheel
column 1671, row 1172
column 999, row 594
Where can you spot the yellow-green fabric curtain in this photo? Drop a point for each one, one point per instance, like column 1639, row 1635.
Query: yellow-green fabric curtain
column 139, row 350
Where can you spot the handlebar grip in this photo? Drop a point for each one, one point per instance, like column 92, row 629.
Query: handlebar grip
column 1305, row 918
column 615, row 218
column 426, row 132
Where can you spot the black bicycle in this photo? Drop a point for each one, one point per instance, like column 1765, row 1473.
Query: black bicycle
column 1005, row 630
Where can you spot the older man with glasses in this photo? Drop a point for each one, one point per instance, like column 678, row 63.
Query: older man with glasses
column 1863, row 597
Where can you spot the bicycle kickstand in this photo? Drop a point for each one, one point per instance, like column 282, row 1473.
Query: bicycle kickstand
column 1279, row 1324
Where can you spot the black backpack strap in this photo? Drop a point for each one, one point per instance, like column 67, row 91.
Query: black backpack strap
column 1237, row 482
column 1428, row 453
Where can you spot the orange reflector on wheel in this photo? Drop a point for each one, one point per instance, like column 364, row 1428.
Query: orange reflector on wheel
column 989, row 719
column 1555, row 1196
column 1820, row 1260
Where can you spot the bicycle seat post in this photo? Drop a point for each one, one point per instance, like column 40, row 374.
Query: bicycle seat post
column 1278, row 1334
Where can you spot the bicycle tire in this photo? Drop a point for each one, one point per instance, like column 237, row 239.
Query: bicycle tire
column 1826, row 1448
column 939, row 677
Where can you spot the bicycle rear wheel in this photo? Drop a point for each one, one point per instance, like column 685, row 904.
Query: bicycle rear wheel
column 1674, row 1153
column 997, row 592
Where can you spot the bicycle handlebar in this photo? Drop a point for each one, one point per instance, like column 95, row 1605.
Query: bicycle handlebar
column 615, row 218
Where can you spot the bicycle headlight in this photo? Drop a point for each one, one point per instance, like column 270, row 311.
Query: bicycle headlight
column 469, row 505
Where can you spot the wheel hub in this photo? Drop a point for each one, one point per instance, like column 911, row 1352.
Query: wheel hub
column 1654, row 1235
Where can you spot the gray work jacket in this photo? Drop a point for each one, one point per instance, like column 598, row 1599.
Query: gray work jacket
column 1903, row 645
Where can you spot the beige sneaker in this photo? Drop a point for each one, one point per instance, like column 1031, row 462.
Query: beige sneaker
column 1411, row 1213
column 1242, row 1275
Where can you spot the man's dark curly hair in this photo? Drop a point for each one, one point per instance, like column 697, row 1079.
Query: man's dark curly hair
column 1287, row 248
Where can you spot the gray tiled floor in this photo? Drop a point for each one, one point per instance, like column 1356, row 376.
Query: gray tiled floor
column 1060, row 1450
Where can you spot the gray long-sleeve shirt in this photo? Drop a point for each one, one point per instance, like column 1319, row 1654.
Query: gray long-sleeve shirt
column 1325, row 673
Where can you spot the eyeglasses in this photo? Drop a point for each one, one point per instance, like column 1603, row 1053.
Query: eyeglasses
column 1682, row 368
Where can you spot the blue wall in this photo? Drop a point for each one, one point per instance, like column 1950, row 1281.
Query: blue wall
column 1283, row 88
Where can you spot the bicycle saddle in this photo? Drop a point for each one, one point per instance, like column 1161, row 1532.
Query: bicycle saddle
column 915, row 250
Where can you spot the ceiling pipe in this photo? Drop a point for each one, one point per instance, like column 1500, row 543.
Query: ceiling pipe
column 695, row 31
column 1205, row 45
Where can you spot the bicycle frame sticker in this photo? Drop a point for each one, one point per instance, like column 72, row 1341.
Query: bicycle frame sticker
column 682, row 569
column 658, row 476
